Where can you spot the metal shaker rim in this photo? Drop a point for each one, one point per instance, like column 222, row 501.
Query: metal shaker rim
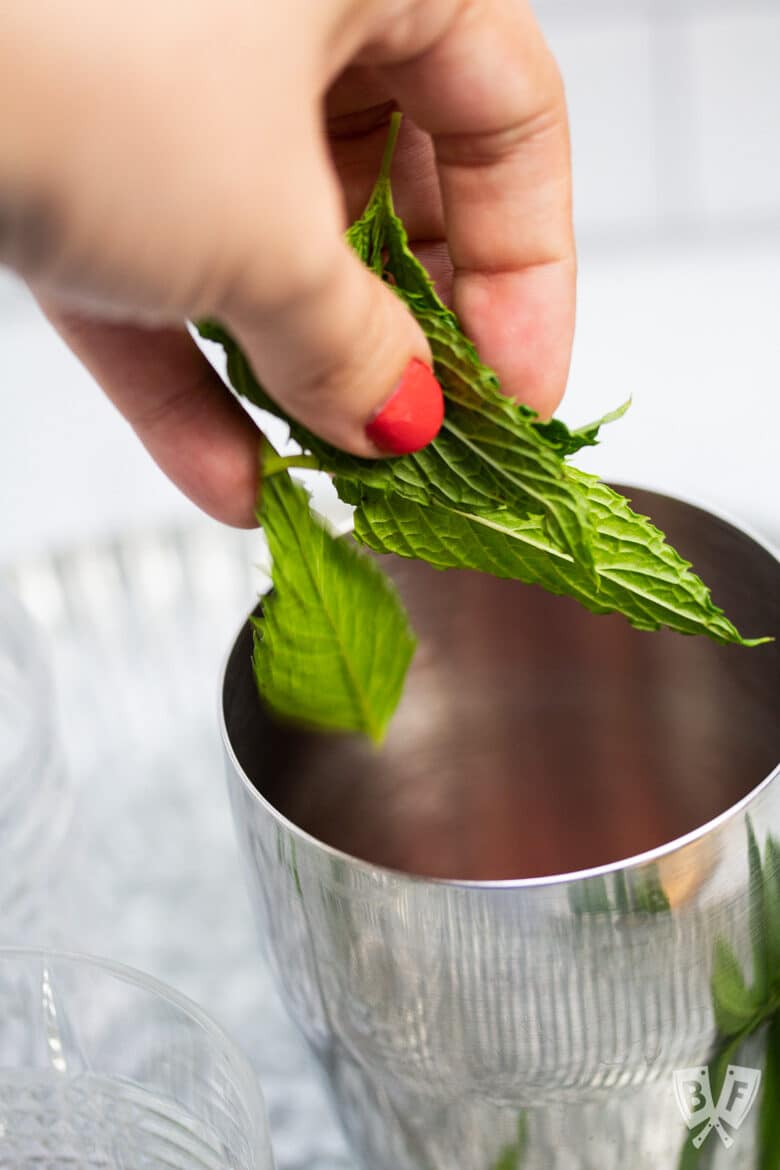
column 634, row 861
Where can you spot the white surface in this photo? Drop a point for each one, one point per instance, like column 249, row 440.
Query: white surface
column 70, row 467
column 692, row 335
column 607, row 70
column 735, row 91
column 675, row 111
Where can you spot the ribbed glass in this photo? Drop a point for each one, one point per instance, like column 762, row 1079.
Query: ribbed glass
column 102, row 1068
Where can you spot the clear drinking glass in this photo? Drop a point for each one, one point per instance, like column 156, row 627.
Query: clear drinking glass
column 102, row 1068
column 35, row 800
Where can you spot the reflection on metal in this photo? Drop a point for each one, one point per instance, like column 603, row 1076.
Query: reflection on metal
column 515, row 904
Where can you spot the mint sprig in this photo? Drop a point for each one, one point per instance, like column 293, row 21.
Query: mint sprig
column 744, row 1007
column 493, row 492
column 513, row 1156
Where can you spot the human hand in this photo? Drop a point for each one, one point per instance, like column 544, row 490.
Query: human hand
column 163, row 162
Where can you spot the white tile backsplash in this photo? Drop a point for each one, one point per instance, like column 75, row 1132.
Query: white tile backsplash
column 690, row 332
column 675, row 112
column 609, row 84
column 735, row 96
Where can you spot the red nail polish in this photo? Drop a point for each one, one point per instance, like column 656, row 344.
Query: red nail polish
column 412, row 415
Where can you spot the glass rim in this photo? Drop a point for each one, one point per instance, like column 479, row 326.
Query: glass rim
column 248, row 1084
column 547, row 881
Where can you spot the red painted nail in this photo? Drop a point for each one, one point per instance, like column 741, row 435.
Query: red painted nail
column 412, row 415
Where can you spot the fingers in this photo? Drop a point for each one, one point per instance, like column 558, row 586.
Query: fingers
column 359, row 107
column 176, row 403
column 335, row 347
column 347, row 361
column 358, row 122
column 489, row 93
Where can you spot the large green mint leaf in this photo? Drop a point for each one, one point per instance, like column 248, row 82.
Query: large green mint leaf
column 757, row 916
column 641, row 893
column 740, row 1012
column 498, row 494
column 732, row 1000
column 333, row 644
column 491, row 452
column 637, row 573
column 488, row 453
column 513, row 1156
column 769, row 1110
column 772, row 909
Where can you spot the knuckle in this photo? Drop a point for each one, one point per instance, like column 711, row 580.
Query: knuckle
column 406, row 28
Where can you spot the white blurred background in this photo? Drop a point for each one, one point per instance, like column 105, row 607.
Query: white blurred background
column 675, row 108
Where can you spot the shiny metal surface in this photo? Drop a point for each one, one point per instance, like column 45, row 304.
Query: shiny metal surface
column 534, row 741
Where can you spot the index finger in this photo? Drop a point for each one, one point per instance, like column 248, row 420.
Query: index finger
column 489, row 93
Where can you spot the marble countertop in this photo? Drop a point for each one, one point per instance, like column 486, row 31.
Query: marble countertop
column 149, row 874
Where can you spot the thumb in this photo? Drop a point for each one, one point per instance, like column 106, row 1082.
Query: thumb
column 336, row 348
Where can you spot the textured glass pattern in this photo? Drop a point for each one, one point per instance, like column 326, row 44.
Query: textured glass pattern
column 102, row 1068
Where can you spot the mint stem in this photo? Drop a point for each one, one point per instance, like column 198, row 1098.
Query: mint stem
column 273, row 464
column 392, row 138
column 270, row 462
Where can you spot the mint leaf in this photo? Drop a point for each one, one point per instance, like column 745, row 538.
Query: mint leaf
column 493, row 491
column 622, row 897
column 642, row 893
column 512, row 1157
column 757, row 917
column 333, row 644
column 772, row 910
column 488, row 454
column 570, row 442
column 648, row 893
column 635, row 572
column 732, row 1000
column 769, row 1109
column 491, row 451
column 703, row 1158
column 740, row 1012
column 590, row 896
column 508, row 1159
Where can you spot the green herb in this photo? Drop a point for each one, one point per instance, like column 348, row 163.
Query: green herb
column 637, row 573
column 513, row 1156
column 493, row 492
column 333, row 644
column 769, row 1110
column 490, row 453
column 733, row 1002
column 639, row 892
column 742, row 1009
